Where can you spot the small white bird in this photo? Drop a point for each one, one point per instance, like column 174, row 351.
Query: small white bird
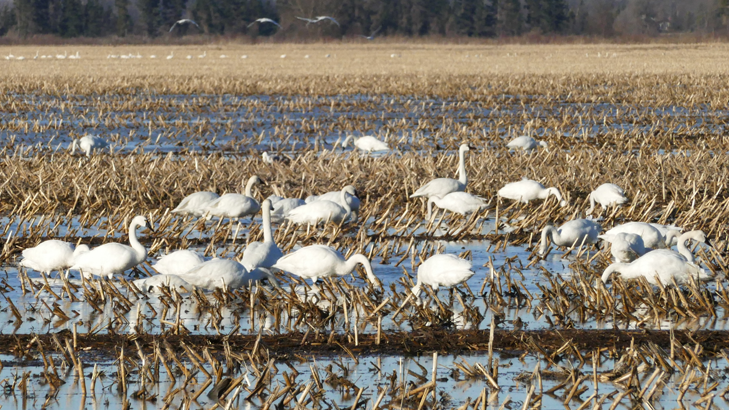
column 367, row 143
column 264, row 20
column 457, row 202
column 262, row 254
column 625, row 247
column 652, row 237
column 183, row 21
column 525, row 143
column 196, row 203
column 178, row 262
column 319, row 261
column 528, row 190
column 443, row 270
column 607, row 195
column 443, row 186
column 318, row 19
column 51, row 255
column 88, row 144
column 574, row 232
column 235, row 206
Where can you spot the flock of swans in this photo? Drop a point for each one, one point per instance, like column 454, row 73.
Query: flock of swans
column 640, row 249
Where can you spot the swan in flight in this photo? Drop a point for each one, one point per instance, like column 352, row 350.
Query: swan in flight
column 111, row 258
column 264, row 20
column 527, row 190
column 321, row 210
column 367, row 143
column 572, row 232
column 457, row 202
column 195, row 203
column 88, row 143
column 225, row 274
column 282, row 206
column 320, row 261
column 235, row 206
column 336, row 196
column 652, row 237
column 51, row 255
column 664, row 264
column 625, row 247
column 525, row 143
column 444, row 186
column 607, row 195
column 183, row 21
column 178, row 262
column 443, row 270
column 371, row 36
column 318, row 19
column 262, row 254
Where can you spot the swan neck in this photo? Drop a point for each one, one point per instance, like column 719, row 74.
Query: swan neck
column 249, row 187
column 267, row 235
column 344, row 203
column 553, row 191
column 683, row 249
column 592, row 204
column 547, row 234
column 609, row 271
column 359, row 258
column 431, row 200
column 139, row 249
column 462, row 177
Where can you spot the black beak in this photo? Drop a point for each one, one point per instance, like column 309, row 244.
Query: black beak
column 149, row 226
column 709, row 243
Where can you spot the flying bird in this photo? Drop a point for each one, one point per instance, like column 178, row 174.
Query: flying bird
column 318, row 19
column 372, row 36
column 265, row 20
column 183, row 21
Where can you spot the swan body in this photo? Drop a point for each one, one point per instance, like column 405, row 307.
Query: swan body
column 225, row 274
column 235, row 206
column 528, row 190
column 153, row 284
column 319, row 261
column 262, row 254
column 111, row 258
column 664, row 265
column 178, row 262
column 321, row 211
column 525, row 143
column 607, row 195
column 443, row 270
column 625, row 247
column 51, row 255
column 271, row 159
column 350, row 199
column 575, row 231
column 443, row 186
column 88, row 144
column 196, row 203
column 367, row 143
column 652, row 237
column 457, row 202
column 665, row 229
column 283, row 206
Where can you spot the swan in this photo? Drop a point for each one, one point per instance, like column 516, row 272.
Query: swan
column 271, row 159
column 195, row 203
column 262, row 254
column 264, row 20
column 172, row 55
column 652, row 237
column 225, row 274
column 88, row 143
column 51, row 255
column 526, row 143
column 664, row 229
column 321, row 210
column 153, row 284
column 367, row 143
column 282, row 206
column 575, row 231
column 235, row 206
column 203, row 55
column 335, row 196
column 443, row 270
column 178, row 262
column 443, row 186
column 183, row 21
column 664, row 264
column 457, row 202
column 111, row 258
column 625, row 247
column 320, row 261
column 527, row 190
column 607, row 195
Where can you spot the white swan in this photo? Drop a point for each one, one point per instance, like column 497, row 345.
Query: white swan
column 282, row 206
column 236, row 206
column 443, row 270
column 51, row 255
column 625, row 247
column 527, row 190
column 321, row 211
column 367, row 143
column 172, row 55
column 262, row 254
column 178, row 262
column 88, row 144
column 154, row 283
column 607, row 195
column 572, row 232
column 224, row 274
column 665, row 229
column 196, row 203
column 652, row 237
column 350, row 200
column 319, row 261
column 526, row 143
column 111, row 258
column 664, row 264
column 457, row 202
column 271, row 159
column 444, row 186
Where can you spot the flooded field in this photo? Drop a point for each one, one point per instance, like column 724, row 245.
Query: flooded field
column 530, row 326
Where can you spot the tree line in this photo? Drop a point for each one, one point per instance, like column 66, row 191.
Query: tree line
column 449, row 18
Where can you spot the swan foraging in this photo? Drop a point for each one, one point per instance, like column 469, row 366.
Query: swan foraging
column 443, row 270
column 320, row 261
column 195, row 203
column 527, row 190
column 625, row 247
column 444, row 186
column 262, row 254
column 153, row 284
column 652, row 237
column 321, row 210
column 526, row 143
column 665, row 229
column 51, row 255
column 88, row 143
column 351, row 199
column 111, row 258
column 178, row 262
column 457, row 202
column 367, row 143
column 224, row 274
column 577, row 231
column 664, row 265
column 607, row 195
column 282, row 206
column 235, row 206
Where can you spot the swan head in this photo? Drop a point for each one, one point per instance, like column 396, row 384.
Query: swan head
column 464, row 148
column 267, row 204
column 350, row 189
column 543, row 144
column 141, row 220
